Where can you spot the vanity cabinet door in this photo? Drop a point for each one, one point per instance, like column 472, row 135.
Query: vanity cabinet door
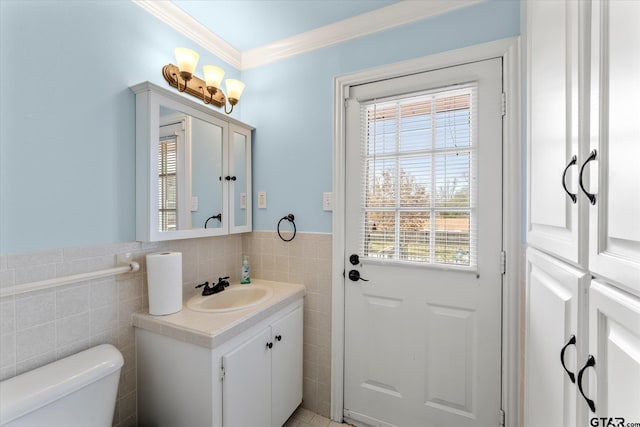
column 286, row 367
column 246, row 388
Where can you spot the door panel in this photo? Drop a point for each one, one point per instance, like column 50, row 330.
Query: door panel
column 451, row 364
column 614, row 341
column 552, row 37
column 286, row 366
column 614, row 228
column 423, row 332
column 553, row 301
column 246, row 389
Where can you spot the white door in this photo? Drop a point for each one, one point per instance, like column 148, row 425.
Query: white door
column 614, row 343
column 614, row 215
column 554, row 343
column 552, row 127
column 246, row 388
column 423, row 216
column 286, row 367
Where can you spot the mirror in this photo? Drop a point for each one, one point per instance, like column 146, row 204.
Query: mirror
column 193, row 168
column 189, row 172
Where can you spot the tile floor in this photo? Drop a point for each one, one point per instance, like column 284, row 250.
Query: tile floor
column 305, row 418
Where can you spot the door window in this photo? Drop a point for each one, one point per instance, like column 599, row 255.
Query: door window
column 419, row 165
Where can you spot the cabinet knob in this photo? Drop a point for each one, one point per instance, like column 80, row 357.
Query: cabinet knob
column 278, row 337
column 269, row 344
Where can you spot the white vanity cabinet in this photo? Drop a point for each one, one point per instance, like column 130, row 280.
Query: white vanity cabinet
column 252, row 378
column 193, row 168
column 266, row 372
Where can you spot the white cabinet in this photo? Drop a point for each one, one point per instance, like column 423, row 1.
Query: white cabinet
column 555, row 342
column 286, row 367
column 614, row 349
column 253, row 379
column 265, row 373
column 193, row 168
column 614, row 219
column 552, row 127
column 584, row 78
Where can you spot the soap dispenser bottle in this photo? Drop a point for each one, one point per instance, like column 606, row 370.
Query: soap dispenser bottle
column 245, row 278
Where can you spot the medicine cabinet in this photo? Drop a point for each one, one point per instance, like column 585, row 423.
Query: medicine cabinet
column 193, row 168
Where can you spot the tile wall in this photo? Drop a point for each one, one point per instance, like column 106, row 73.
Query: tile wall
column 40, row 327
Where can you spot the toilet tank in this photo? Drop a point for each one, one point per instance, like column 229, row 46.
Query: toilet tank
column 79, row 390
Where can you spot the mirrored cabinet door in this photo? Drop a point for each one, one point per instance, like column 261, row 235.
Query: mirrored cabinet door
column 240, row 171
column 190, row 167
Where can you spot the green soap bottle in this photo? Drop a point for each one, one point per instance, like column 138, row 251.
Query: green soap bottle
column 245, row 278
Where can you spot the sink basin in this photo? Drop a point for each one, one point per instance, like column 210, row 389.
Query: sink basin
column 235, row 297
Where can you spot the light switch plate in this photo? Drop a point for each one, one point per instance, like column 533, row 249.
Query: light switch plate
column 262, row 200
column 327, row 201
column 194, row 203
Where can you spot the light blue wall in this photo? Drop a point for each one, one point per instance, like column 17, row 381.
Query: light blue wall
column 290, row 103
column 67, row 118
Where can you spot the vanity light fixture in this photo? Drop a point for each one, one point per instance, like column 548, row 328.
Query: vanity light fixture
column 207, row 90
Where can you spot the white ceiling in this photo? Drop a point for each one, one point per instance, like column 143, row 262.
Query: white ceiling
column 271, row 20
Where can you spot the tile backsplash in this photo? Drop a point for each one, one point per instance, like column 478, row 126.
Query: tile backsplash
column 42, row 326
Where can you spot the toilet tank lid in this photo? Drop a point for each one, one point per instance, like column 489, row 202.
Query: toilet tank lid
column 34, row 389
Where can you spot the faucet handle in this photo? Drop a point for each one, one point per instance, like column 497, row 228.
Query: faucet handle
column 223, row 281
column 205, row 284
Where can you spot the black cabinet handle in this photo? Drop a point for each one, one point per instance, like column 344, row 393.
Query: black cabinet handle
column 591, row 362
column 230, row 178
column 573, row 161
column 269, row 345
column 572, row 341
column 592, row 197
column 278, row 337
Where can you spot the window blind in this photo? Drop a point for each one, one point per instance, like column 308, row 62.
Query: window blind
column 418, row 156
column 168, row 182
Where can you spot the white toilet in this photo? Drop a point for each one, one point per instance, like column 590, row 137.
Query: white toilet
column 79, row 390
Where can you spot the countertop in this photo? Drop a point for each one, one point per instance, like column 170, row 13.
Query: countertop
column 213, row 329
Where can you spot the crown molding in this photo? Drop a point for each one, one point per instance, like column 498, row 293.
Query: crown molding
column 182, row 22
column 395, row 15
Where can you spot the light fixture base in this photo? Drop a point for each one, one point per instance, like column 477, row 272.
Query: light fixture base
column 195, row 86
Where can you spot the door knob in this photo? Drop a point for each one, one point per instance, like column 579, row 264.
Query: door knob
column 354, row 259
column 354, row 276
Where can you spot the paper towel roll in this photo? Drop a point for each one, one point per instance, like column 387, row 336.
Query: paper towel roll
column 164, row 277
